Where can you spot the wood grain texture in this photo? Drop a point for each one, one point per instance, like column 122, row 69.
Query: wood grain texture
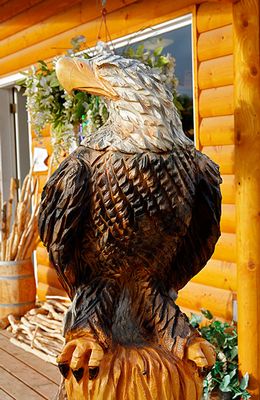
column 247, row 128
column 61, row 20
column 224, row 156
column 48, row 275
column 16, row 388
column 44, row 9
column 226, row 248
column 228, row 218
column 195, row 295
column 216, row 101
column 47, row 370
column 128, row 19
column 41, row 385
column 217, row 131
column 216, row 72
column 212, row 15
column 228, row 189
column 17, row 287
column 11, row 8
column 215, row 43
column 220, row 274
column 128, row 219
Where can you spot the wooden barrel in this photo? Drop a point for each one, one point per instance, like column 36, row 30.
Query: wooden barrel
column 17, row 287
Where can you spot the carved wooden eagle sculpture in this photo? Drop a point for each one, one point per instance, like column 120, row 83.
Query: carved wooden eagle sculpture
column 128, row 219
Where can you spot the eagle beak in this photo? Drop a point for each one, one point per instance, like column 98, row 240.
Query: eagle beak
column 77, row 74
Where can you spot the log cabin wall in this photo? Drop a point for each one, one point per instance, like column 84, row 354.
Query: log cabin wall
column 215, row 286
column 48, row 283
column 32, row 30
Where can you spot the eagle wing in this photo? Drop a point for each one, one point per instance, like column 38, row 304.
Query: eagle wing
column 64, row 205
column 198, row 244
column 171, row 203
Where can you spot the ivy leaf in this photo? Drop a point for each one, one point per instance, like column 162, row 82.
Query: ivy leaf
column 224, row 384
column 195, row 320
column 233, row 373
column 207, row 314
column 244, row 381
column 233, row 352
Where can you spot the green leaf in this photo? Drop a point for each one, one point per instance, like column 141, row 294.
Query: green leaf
column 207, row 314
column 140, row 50
column 163, row 61
column 233, row 352
column 195, row 320
column 54, row 82
column 233, row 373
column 244, row 381
column 224, row 384
column 158, row 51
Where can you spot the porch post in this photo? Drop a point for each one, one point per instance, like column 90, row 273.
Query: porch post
column 247, row 132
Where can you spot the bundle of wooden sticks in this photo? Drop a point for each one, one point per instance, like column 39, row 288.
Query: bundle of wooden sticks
column 40, row 329
column 18, row 224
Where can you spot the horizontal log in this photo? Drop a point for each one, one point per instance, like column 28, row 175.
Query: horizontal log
column 44, row 290
column 215, row 43
column 216, row 72
column 220, row 274
column 228, row 218
column 48, row 275
column 123, row 21
column 212, row 15
column 197, row 296
column 217, row 101
column 77, row 14
column 215, row 131
column 228, row 189
column 224, row 156
column 225, row 249
column 42, row 256
column 14, row 7
column 39, row 12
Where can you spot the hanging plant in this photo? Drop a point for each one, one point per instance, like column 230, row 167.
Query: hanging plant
column 224, row 376
column 73, row 117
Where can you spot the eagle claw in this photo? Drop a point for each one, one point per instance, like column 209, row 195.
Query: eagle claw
column 202, row 353
column 77, row 354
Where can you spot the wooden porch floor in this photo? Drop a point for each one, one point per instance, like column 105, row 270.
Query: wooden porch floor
column 23, row 376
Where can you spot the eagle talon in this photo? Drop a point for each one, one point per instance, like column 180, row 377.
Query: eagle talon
column 79, row 353
column 202, row 353
column 64, row 369
column 78, row 373
column 93, row 373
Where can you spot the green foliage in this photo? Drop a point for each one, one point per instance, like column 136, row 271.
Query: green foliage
column 48, row 103
column 224, row 375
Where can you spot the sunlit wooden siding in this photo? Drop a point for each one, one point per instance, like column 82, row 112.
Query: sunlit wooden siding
column 32, row 30
column 215, row 286
column 48, row 283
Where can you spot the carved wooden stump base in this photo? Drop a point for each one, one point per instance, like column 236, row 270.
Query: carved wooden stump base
column 132, row 373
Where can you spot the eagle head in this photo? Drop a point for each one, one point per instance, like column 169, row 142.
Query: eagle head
column 140, row 106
